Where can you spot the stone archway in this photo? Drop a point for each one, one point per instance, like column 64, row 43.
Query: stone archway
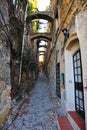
column 46, row 36
column 47, row 15
column 72, row 45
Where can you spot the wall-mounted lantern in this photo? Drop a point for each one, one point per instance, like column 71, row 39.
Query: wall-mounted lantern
column 66, row 34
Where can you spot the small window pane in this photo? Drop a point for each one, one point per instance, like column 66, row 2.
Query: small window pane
column 74, row 57
column 75, row 71
column 80, row 94
column 81, row 103
column 79, row 78
column 76, row 93
column 79, row 70
column 77, row 101
column 78, row 62
column 78, row 56
column 74, row 64
column 77, row 107
column 75, row 78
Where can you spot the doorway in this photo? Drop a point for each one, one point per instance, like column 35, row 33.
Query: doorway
column 79, row 98
column 58, row 93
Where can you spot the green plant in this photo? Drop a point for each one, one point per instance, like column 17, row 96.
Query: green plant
column 33, row 66
column 35, row 25
column 31, row 8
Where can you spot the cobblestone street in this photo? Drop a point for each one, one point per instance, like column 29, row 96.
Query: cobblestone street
column 39, row 112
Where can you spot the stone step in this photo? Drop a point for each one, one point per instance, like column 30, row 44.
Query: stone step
column 76, row 121
column 64, row 124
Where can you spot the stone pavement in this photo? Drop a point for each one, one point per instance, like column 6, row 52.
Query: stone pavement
column 39, row 111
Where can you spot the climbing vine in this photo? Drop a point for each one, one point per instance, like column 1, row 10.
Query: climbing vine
column 35, row 22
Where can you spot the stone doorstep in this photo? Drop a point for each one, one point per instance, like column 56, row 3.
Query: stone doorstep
column 76, row 121
column 64, row 124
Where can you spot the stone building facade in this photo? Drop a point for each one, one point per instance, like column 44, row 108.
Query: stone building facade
column 10, row 48
column 67, row 64
column 5, row 82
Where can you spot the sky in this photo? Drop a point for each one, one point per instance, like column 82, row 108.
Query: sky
column 42, row 4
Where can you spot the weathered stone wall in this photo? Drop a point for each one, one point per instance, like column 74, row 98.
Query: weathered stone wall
column 52, row 72
column 67, row 11
column 5, row 84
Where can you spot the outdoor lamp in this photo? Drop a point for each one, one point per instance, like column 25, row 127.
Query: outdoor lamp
column 66, row 33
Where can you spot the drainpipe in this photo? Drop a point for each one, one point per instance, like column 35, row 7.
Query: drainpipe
column 21, row 62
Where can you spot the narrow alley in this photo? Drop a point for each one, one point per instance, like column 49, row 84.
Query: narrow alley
column 43, row 64
column 40, row 113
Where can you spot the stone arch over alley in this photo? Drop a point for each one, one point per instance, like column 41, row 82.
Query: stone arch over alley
column 45, row 36
column 47, row 15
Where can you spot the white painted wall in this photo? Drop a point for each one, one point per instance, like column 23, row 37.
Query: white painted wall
column 81, row 28
column 69, row 76
column 69, row 84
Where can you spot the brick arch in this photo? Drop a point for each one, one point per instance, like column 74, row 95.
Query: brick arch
column 45, row 36
column 40, row 15
column 71, row 40
column 42, row 46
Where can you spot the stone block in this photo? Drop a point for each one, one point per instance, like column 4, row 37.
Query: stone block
column 3, row 116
